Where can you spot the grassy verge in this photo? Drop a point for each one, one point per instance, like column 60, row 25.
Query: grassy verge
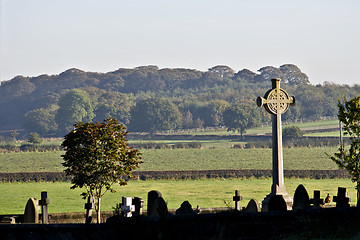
column 206, row 193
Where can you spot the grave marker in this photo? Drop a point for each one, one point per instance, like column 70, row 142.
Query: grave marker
column 126, row 207
column 301, row 198
column 138, row 203
column 44, row 201
column 277, row 203
column 253, row 206
column 185, row 209
column 317, row 201
column 237, row 198
column 31, row 213
column 276, row 101
column 342, row 199
column 156, row 205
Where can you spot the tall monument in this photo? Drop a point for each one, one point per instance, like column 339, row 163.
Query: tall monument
column 276, row 101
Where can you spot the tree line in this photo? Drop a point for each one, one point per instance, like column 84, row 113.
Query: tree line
column 150, row 99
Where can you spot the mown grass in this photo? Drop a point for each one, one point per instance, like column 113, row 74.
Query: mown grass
column 206, row 192
column 186, row 159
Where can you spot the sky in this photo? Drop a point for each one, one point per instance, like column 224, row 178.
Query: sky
column 321, row 37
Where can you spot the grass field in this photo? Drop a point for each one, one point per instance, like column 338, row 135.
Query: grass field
column 186, row 159
column 206, row 193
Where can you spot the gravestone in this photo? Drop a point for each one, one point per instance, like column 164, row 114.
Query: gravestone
column 31, row 213
column 276, row 101
column 43, row 202
column 138, row 203
column 301, row 198
column 317, row 201
column 342, row 199
column 156, row 205
column 126, row 207
column 277, row 204
column 185, row 209
column 237, row 198
column 253, row 206
column 89, row 206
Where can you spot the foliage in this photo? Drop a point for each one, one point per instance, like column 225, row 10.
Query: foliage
column 241, row 116
column 292, row 133
column 74, row 106
column 34, row 138
column 153, row 115
column 98, row 156
column 349, row 157
column 41, row 120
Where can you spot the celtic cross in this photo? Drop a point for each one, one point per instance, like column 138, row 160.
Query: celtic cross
column 276, row 101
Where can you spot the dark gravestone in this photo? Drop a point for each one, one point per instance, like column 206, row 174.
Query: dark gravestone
column 156, row 205
column 185, row 209
column 44, row 201
column 317, row 201
column 253, row 206
column 237, row 198
column 277, row 204
column 89, row 206
column 301, row 198
column 31, row 213
column 342, row 199
column 138, row 203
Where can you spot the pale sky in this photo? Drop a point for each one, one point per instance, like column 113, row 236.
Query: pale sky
column 321, row 37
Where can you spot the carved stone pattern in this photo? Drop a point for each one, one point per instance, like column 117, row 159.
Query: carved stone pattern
column 278, row 101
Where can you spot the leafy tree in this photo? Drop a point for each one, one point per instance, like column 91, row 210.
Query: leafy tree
column 292, row 133
column 349, row 157
column 293, row 74
column 34, row 138
column 154, row 114
column 74, row 106
column 223, row 71
column 41, row 120
column 241, row 116
column 13, row 135
column 97, row 155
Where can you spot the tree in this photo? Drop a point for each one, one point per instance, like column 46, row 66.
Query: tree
column 292, row 133
column 74, row 106
column 223, row 71
column 41, row 120
column 349, row 157
column 154, row 114
column 293, row 74
column 34, row 138
column 97, row 155
column 241, row 116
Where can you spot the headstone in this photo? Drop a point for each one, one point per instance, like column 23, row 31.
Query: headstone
column 44, row 201
column 126, row 207
column 8, row 220
column 237, row 198
column 277, row 204
column 328, row 198
column 31, row 213
column 342, row 199
column 253, row 206
column 156, row 205
column 185, row 209
column 317, row 201
column 89, row 206
column 301, row 198
column 276, row 101
column 138, row 203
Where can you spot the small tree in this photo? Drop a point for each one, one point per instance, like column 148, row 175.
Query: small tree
column 349, row 157
column 98, row 156
column 34, row 138
column 292, row 133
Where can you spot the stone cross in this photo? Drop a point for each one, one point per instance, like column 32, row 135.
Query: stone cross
column 89, row 206
column 44, row 201
column 342, row 199
column 237, row 198
column 317, row 201
column 276, row 101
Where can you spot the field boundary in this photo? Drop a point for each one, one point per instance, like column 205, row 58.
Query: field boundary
column 188, row 174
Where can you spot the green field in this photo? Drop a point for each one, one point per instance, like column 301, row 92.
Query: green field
column 206, row 193
column 186, row 159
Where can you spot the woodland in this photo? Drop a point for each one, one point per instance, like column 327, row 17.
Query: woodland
column 149, row 99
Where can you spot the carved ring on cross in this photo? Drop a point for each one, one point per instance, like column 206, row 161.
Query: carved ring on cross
column 276, row 100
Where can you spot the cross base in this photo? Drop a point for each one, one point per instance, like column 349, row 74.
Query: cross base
column 287, row 198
